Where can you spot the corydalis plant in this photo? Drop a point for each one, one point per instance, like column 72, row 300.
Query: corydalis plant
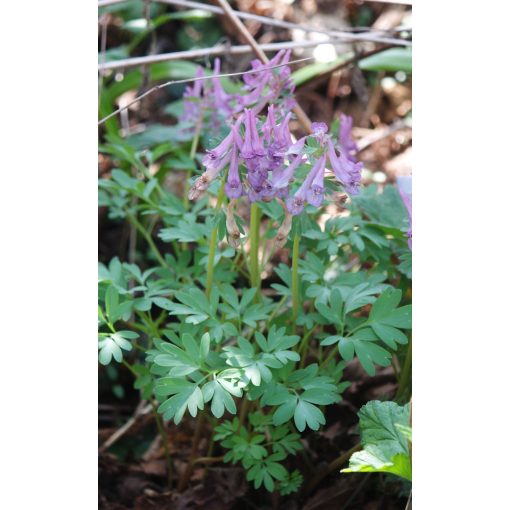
column 263, row 161
column 206, row 101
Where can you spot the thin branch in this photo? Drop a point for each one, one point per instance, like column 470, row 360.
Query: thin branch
column 141, row 411
column 342, row 34
column 232, row 16
column 208, row 52
column 300, row 113
column 105, row 3
column 269, row 21
column 353, row 60
column 104, row 30
column 380, row 134
column 189, row 80
column 398, row 2
column 287, row 24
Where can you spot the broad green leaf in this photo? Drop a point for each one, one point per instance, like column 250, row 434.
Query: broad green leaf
column 385, row 445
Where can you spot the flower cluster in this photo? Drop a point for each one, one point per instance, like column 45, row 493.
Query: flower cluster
column 207, row 102
column 207, row 97
column 346, row 170
column 262, row 160
column 269, row 85
column 264, row 149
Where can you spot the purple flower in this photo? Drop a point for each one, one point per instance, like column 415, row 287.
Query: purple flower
column 345, row 141
column 277, row 138
column 297, row 147
column 282, row 177
column 347, row 172
column 282, row 139
column 315, row 193
column 192, row 101
column 280, row 77
column 252, row 146
column 216, row 159
column 276, row 83
column 213, row 156
column 257, row 172
column 319, row 130
column 296, row 203
column 204, row 181
column 221, row 100
column 404, row 184
column 233, row 186
column 263, row 191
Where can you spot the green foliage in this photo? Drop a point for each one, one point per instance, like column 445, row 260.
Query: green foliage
column 393, row 59
column 210, row 352
column 192, row 376
column 261, row 451
column 385, row 436
column 385, row 322
column 111, row 345
column 274, row 354
column 297, row 396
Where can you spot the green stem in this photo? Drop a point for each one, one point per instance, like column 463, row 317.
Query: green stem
column 244, row 411
column 405, row 373
column 184, row 480
column 303, row 347
column 149, row 240
column 135, row 325
column 210, row 446
column 330, row 356
column 295, row 281
column 164, row 440
column 129, row 367
column 333, row 466
column 275, row 311
column 212, row 245
column 254, row 245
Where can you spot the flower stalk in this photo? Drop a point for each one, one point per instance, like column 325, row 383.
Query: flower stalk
column 212, row 245
column 295, row 279
column 254, row 245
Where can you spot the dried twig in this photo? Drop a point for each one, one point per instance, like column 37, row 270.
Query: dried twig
column 139, row 413
column 399, row 2
column 105, row 3
column 104, row 30
column 353, row 60
column 189, row 80
column 372, row 35
column 380, row 134
column 222, row 49
column 300, row 113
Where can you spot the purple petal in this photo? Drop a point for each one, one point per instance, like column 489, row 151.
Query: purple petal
column 233, row 186
column 315, row 193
